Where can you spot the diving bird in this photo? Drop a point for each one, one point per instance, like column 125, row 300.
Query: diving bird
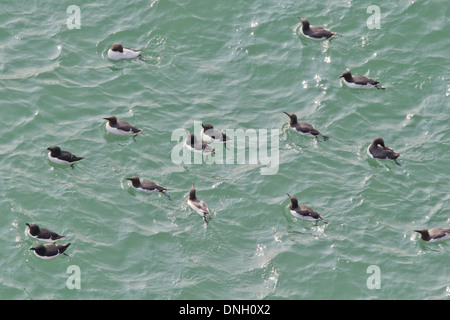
column 434, row 234
column 147, row 186
column 315, row 32
column 118, row 52
column 197, row 205
column 303, row 128
column 50, row 250
column 121, row 127
column 58, row 156
column 43, row 234
column 303, row 212
column 378, row 150
column 359, row 82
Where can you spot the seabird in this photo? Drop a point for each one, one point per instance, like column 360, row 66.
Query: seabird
column 194, row 145
column 121, row 127
column 359, row 82
column 315, row 32
column 147, row 186
column 197, row 205
column 303, row 212
column 118, row 52
column 58, row 156
column 304, row 128
column 434, row 234
column 209, row 134
column 42, row 234
column 50, row 250
column 378, row 150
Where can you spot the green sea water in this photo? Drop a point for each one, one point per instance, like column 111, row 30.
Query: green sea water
column 236, row 65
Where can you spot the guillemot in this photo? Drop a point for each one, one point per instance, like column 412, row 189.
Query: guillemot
column 304, row 128
column 118, row 52
column 359, row 82
column 197, row 205
column 50, row 251
column 303, row 212
column 58, row 156
column 378, row 150
column 147, row 186
column 43, row 234
column 121, row 127
column 315, row 32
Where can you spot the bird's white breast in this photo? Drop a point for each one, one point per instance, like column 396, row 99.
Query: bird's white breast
column 126, row 54
column 56, row 160
column 118, row 132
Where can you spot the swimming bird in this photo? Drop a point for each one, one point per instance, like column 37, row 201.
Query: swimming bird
column 378, row 150
column 147, row 186
column 194, row 145
column 50, row 250
column 58, row 156
column 303, row 212
column 434, row 234
column 304, row 128
column 118, row 52
column 315, row 32
column 121, row 127
column 209, row 134
column 197, row 205
column 42, row 234
column 359, row 82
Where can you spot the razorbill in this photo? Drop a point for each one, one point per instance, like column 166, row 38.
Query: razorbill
column 197, row 205
column 304, row 128
column 147, row 186
column 42, row 234
column 121, row 127
column 58, row 156
column 118, row 52
column 378, row 150
column 359, row 82
column 315, row 32
column 50, row 250
column 434, row 234
column 303, row 212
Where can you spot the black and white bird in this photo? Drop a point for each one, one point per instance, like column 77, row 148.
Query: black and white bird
column 50, row 250
column 304, row 128
column 378, row 150
column 197, row 205
column 303, row 212
column 315, row 32
column 359, row 82
column 118, row 52
column 147, row 186
column 210, row 135
column 194, row 145
column 43, row 234
column 58, row 156
column 434, row 234
column 121, row 127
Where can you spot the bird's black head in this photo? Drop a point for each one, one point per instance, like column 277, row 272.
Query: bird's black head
column 293, row 117
column 207, row 126
column 111, row 119
column 135, row 181
column 346, row 75
column 424, row 234
column 117, row 47
column 192, row 193
column 305, row 23
column 294, row 201
column 39, row 249
column 55, row 151
column 378, row 141
column 34, row 229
